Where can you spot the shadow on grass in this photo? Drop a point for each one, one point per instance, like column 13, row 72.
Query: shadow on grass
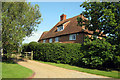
column 8, row 61
column 12, row 60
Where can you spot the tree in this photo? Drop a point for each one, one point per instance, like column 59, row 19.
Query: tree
column 19, row 19
column 98, row 54
column 102, row 16
column 105, row 17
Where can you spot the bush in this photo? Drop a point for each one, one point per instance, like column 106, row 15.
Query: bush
column 25, row 47
column 98, row 53
column 56, row 52
column 93, row 54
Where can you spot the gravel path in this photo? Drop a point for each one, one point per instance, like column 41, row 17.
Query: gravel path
column 48, row 71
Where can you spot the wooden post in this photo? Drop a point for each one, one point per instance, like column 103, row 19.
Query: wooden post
column 2, row 52
column 32, row 55
column 26, row 55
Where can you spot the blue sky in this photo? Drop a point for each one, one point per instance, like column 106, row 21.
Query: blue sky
column 51, row 12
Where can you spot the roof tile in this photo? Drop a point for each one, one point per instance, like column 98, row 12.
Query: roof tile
column 70, row 28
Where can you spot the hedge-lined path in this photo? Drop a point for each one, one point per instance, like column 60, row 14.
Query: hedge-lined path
column 49, row 71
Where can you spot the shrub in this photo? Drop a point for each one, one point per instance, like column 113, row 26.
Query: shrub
column 25, row 47
column 93, row 54
column 98, row 54
column 56, row 52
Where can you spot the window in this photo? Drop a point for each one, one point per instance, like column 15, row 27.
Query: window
column 72, row 37
column 50, row 40
column 44, row 41
column 60, row 28
column 57, row 39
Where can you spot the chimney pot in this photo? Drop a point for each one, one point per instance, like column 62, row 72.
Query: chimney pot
column 62, row 17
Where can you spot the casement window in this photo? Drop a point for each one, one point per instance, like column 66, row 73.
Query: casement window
column 44, row 41
column 60, row 28
column 50, row 40
column 57, row 39
column 72, row 37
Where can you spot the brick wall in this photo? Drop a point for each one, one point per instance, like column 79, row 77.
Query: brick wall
column 65, row 39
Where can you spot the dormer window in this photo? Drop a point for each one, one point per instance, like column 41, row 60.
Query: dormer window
column 60, row 28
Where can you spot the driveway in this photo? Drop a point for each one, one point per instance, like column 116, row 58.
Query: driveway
column 48, row 71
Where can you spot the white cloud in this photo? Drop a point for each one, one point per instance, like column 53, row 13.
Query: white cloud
column 35, row 37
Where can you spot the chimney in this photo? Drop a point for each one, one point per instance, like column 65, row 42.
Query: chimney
column 62, row 17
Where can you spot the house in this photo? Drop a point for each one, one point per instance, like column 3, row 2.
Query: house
column 66, row 31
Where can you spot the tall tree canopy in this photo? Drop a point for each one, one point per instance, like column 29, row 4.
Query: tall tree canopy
column 19, row 19
column 104, row 16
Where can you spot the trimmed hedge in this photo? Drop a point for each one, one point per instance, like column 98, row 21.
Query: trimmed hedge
column 93, row 54
column 56, row 52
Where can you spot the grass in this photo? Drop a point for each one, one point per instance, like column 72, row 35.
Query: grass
column 112, row 74
column 13, row 70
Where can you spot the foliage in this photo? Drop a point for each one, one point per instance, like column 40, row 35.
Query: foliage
column 104, row 17
column 25, row 47
column 56, row 52
column 19, row 19
column 98, row 53
column 93, row 54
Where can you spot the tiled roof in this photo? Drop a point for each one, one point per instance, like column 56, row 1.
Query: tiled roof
column 43, row 34
column 70, row 27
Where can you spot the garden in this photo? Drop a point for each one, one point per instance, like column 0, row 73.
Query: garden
column 95, row 55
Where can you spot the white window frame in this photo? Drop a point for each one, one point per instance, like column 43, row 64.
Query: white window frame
column 57, row 39
column 44, row 41
column 59, row 28
column 50, row 40
column 72, row 37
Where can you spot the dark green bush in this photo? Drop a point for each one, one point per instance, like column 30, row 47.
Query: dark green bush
column 25, row 47
column 57, row 52
column 93, row 54
column 98, row 53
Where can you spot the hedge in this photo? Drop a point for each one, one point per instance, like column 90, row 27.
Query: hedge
column 92, row 54
column 56, row 52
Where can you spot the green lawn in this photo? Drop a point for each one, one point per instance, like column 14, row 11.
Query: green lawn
column 113, row 74
column 13, row 70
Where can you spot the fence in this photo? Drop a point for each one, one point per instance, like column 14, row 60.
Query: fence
column 28, row 55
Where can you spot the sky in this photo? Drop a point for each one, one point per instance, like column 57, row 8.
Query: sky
column 51, row 12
